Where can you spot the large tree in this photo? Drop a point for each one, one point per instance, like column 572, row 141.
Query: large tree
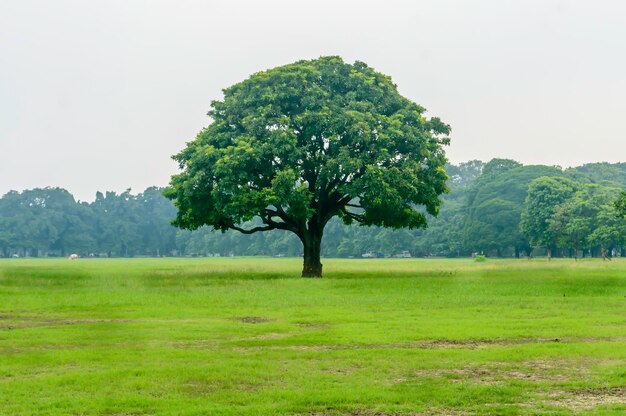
column 296, row 145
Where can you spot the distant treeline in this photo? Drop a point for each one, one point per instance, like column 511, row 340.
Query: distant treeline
column 499, row 208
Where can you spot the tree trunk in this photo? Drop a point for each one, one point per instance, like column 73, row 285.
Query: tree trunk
column 312, row 249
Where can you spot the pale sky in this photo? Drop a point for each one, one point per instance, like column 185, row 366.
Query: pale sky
column 97, row 95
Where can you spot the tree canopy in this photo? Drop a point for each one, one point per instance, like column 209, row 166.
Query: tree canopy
column 297, row 145
column 620, row 204
column 545, row 195
column 48, row 221
column 494, row 205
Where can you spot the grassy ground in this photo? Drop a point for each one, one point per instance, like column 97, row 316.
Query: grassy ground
column 373, row 337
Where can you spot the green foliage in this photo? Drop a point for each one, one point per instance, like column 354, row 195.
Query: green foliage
column 495, row 202
column 480, row 258
column 572, row 222
column 497, row 166
column 600, row 172
column 44, row 219
column 587, row 219
column 463, row 174
column 620, row 204
column 545, row 194
column 49, row 221
column 128, row 224
column 297, row 145
column 609, row 231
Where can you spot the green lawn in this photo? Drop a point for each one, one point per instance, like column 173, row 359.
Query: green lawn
column 373, row 337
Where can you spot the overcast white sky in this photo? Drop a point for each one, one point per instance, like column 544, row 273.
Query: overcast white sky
column 97, row 95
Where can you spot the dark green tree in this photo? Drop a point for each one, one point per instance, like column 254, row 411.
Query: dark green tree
column 494, row 206
column 600, row 172
column 40, row 220
column 587, row 220
column 620, row 204
column 297, row 145
column 118, row 223
column 545, row 195
column 154, row 213
column 497, row 166
column 609, row 231
column 573, row 222
column 464, row 173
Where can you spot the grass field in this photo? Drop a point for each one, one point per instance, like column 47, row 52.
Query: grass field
column 373, row 337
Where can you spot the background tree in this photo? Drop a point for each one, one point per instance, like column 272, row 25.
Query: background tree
column 118, row 223
column 583, row 221
column 141, row 223
column 444, row 235
column 463, row 174
column 158, row 237
column 609, row 232
column 545, row 194
column 494, row 206
column 620, row 204
column 300, row 144
column 572, row 223
column 599, row 173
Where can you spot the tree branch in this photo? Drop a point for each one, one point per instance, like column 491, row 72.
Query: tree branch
column 280, row 225
column 356, row 217
column 252, row 230
column 343, row 180
column 287, row 223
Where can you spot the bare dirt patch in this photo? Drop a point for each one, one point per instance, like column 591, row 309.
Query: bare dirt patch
column 475, row 343
column 470, row 344
column 129, row 414
column 311, row 325
column 272, row 335
column 198, row 344
column 198, row 387
column 251, row 319
column 587, row 398
column 342, row 370
column 22, row 322
column 499, row 373
column 432, row 412
column 205, row 387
